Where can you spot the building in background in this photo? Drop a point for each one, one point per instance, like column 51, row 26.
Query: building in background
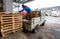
column 8, row 5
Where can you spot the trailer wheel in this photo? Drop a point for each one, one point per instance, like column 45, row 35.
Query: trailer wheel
column 34, row 31
column 43, row 23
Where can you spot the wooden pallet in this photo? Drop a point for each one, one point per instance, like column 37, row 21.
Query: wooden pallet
column 17, row 22
column 10, row 23
column 6, row 24
column 35, row 14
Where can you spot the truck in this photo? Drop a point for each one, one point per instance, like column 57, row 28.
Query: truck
column 33, row 24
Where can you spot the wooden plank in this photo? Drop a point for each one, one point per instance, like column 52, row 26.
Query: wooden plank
column 13, row 22
column 16, row 30
column 6, row 30
column 5, row 33
column 6, row 25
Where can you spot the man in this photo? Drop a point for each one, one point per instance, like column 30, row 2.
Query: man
column 25, row 10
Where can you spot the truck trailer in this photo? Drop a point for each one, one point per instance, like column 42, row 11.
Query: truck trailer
column 34, row 22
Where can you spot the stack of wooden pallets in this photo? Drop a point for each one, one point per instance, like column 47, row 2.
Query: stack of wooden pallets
column 10, row 23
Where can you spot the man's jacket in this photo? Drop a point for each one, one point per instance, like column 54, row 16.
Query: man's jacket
column 27, row 9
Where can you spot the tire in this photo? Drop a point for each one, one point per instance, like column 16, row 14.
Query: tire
column 43, row 23
column 34, row 31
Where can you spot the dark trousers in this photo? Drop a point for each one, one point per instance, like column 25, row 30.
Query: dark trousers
column 26, row 15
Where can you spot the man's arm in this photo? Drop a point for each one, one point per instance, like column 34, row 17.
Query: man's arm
column 21, row 10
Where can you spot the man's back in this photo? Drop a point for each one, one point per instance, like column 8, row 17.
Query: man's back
column 27, row 9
